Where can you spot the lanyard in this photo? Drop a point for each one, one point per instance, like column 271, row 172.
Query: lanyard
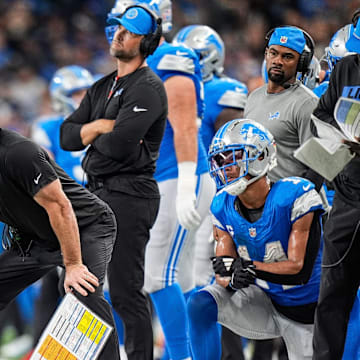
column 113, row 87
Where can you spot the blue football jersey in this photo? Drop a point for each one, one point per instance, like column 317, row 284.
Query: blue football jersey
column 266, row 239
column 319, row 90
column 46, row 133
column 220, row 93
column 170, row 60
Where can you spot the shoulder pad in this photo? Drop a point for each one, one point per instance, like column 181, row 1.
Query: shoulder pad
column 310, row 200
column 232, row 98
column 177, row 63
column 40, row 136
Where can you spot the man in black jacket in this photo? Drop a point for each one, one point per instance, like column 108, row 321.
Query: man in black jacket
column 340, row 270
column 51, row 220
column 122, row 118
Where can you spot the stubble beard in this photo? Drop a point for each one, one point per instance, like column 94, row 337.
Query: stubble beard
column 124, row 55
column 276, row 78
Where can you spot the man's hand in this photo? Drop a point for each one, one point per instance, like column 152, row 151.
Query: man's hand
column 90, row 131
column 105, row 125
column 354, row 146
column 222, row 265
column 80, row 279
column 243, row 273
column 187, row 214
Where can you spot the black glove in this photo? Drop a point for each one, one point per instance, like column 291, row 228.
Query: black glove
column 222, row 265
column 243, row 274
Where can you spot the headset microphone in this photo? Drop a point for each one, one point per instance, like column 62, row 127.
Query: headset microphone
column 287, row 85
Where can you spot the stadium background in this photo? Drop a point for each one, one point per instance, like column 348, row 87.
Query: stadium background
column 39, row 36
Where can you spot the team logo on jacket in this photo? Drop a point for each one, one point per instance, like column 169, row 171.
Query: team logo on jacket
column 283, row 39
column 118, row 93
column 252, row 232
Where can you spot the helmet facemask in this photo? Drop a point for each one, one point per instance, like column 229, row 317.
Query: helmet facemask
column 234, row 166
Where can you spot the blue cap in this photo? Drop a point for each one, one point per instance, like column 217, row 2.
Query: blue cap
column 353, row 44
column 136, row 20
column 289, row 37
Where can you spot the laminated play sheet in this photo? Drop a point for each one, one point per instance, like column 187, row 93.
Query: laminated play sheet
column 327, row 154
column 73, row 333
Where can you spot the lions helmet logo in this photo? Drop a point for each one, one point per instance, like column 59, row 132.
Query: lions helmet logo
column 132, row 14
column 283, row 39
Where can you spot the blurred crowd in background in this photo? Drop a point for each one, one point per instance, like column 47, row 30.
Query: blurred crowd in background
column 39, row 36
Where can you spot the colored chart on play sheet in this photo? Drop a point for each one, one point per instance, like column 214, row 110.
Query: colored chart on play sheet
column 347, row 115
column 73, row 333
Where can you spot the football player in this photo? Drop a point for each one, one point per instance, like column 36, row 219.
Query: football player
column 267, row 262
column 185, row 186
column 225, row 100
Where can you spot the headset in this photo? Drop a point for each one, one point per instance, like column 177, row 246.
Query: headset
column 306, row 56
column 150, row 41
column 355, row 17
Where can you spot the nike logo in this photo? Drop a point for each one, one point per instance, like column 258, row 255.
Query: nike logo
column 36, row 180
column 137, row 109
column 239, row 90
column 181, row 53
column 307, row 187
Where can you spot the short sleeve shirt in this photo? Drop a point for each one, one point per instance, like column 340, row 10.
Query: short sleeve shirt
column 25, row 169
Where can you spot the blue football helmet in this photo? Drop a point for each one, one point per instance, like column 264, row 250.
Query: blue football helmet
column 342, row 44
column 249, row 147
column 161, row 8
column 311, row 79
column 64, row 83
column 119, row 8
column 207, row 44
column 264, row 72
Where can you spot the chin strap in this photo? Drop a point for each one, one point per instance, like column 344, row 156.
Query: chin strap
column 238, row 187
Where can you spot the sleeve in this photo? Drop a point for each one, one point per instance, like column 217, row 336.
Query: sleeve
column 307, row 202
column 142, row 106
column 303, row 118
column 40, row 134
column 312, row 249
column 216, row 210
column 28, row 166
column 305, row 132
column 182, row 62
column 325, row 108
column 217, row 223
column 233, row 95
column 70, row 138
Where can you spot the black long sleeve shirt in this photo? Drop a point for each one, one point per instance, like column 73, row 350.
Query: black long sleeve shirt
column 344, row 81
column 138, row 104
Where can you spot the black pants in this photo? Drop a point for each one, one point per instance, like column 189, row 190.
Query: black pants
column 134, row 216
column 17, row 272
column 46, row 303
column 339, row 280
column 231, row 345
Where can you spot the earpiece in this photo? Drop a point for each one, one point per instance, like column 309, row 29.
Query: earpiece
column 150, row 41
column 355, row 17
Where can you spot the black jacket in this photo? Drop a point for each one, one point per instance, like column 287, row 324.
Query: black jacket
column 138, row 103
column 344, row 81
